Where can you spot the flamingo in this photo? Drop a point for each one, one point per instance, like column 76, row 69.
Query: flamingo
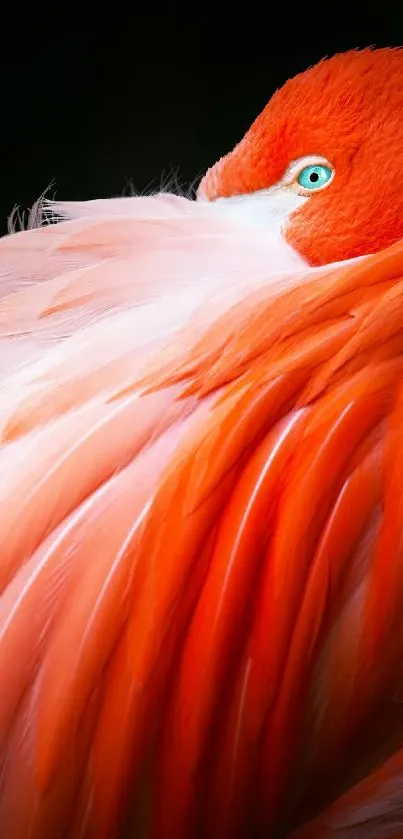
column 201, row 460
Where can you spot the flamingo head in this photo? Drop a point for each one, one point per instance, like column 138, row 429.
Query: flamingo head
column 324, row 160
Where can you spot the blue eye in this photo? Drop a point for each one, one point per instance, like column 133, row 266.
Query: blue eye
column 315, row 176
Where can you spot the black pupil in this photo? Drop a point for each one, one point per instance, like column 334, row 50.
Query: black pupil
column 313, row 177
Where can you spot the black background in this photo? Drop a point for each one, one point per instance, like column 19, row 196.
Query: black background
column 95, row 98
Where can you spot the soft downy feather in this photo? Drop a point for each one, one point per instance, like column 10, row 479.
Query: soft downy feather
column 194, row 625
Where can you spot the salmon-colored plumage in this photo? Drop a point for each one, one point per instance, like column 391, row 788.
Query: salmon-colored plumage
column 201, row 454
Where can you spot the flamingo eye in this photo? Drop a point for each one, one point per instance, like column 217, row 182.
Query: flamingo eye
column 315, row 177
column 308, row 174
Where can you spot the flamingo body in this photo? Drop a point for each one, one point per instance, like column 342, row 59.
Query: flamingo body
column 201, row 454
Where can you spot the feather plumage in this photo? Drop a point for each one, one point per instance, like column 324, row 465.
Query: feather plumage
column 200, row 531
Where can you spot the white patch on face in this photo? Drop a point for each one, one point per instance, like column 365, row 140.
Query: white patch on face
column 266, row 209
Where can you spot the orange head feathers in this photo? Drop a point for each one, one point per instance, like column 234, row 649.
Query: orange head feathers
column 346, row 114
